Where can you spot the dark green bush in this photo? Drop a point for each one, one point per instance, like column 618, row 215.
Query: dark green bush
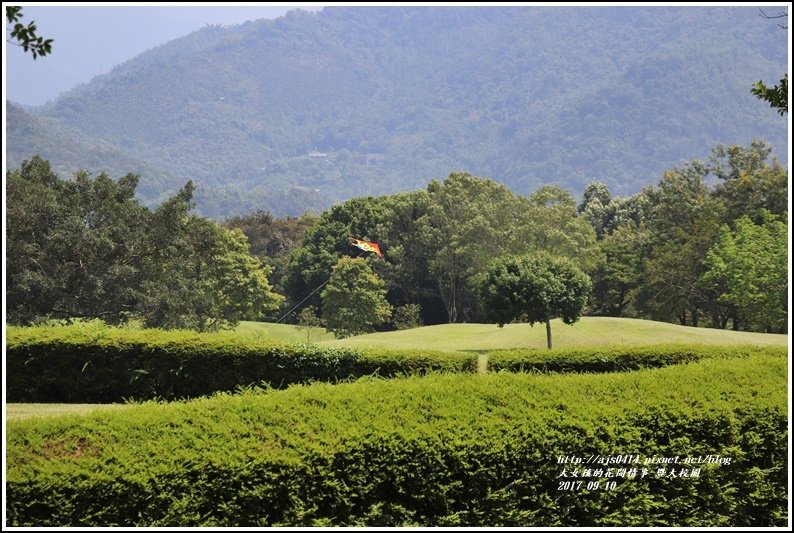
column 439, row 450
column 616, row 358
column 91, row 364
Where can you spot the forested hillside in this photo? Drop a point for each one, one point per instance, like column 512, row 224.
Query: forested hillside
column 311, row 109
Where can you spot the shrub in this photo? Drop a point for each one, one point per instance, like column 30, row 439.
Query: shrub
column 616, row 359
column 92, row 364
column 440, row 450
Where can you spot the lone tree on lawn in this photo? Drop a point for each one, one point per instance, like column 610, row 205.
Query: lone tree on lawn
column 354, row 302
column 534, row 289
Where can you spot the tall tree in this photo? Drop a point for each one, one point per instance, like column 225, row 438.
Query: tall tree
column 683, row 223
column 86, row 248
column 471, row 221
column 550, row 224
column 354, row 301
column 204, row 278
column 534, row 289
column 748, row 182
column 748, row 266
column 273, row 239
column 328, row 240
column 618, row 275
column 75, row 248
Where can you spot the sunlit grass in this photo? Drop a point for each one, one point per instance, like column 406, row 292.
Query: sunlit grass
column 588, row 332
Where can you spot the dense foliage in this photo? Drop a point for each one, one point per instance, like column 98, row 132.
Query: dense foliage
column 87, row 248
column 354, row 300
column 675, row 260
column 704, row 246
column 534, row 289
column 448, row 450
column 90, row 363
column 617, row 358
column 311, row 109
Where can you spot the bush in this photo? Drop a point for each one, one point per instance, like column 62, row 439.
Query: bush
column 616, row 359
column 86, row 363
column 440, row 450
column 407, row 316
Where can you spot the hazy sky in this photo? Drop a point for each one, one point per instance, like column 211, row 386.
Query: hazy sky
column 90, row 40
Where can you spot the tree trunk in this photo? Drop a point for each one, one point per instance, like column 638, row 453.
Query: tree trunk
column 548, row 334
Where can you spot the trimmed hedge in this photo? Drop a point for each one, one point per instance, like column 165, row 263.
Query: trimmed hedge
column 86, row 363
column 441, row 450
column 617, row 358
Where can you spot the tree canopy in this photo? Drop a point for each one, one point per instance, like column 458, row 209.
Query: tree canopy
column 679, row 251
column 534, row 288
column 86, row 248
column 354, row 301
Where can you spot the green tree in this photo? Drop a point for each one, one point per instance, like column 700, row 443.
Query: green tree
column 749, row 267
column 534, row 289
column 354, row 301
column 25, row 36
column 748, row 182
column 308, row 320
column 607, row 213
column 74, row 248
column 410, row 240
column 273, row 239
column 595, row 206
column 204, row 278
column 618, row 276
column 86, row 248
column 683, row 223
column 550, row 224
column 470, row 221
column 407, row 317
column 328, row 240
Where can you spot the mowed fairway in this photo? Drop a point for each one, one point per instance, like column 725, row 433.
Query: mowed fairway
column 267, row 331
column 588, row 332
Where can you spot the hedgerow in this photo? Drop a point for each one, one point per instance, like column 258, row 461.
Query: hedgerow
column 439, row 450
column 617, row 358
column 87, row 363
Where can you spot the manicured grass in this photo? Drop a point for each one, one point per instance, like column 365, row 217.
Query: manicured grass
column 18, row 411
column 588, row 332
column 282, row 332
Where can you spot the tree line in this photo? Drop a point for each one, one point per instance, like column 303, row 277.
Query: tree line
column 86, row 248
column 705, row 246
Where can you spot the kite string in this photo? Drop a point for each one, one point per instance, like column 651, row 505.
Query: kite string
column 311, row 293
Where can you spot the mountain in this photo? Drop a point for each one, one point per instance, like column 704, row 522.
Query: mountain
column 310, row 109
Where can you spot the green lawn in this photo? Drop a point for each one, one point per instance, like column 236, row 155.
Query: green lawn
column 282, row 332
column 589, row 331
column 18, row 411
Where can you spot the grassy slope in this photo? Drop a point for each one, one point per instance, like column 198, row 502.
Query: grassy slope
column 281, row 332
column 589, row 331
